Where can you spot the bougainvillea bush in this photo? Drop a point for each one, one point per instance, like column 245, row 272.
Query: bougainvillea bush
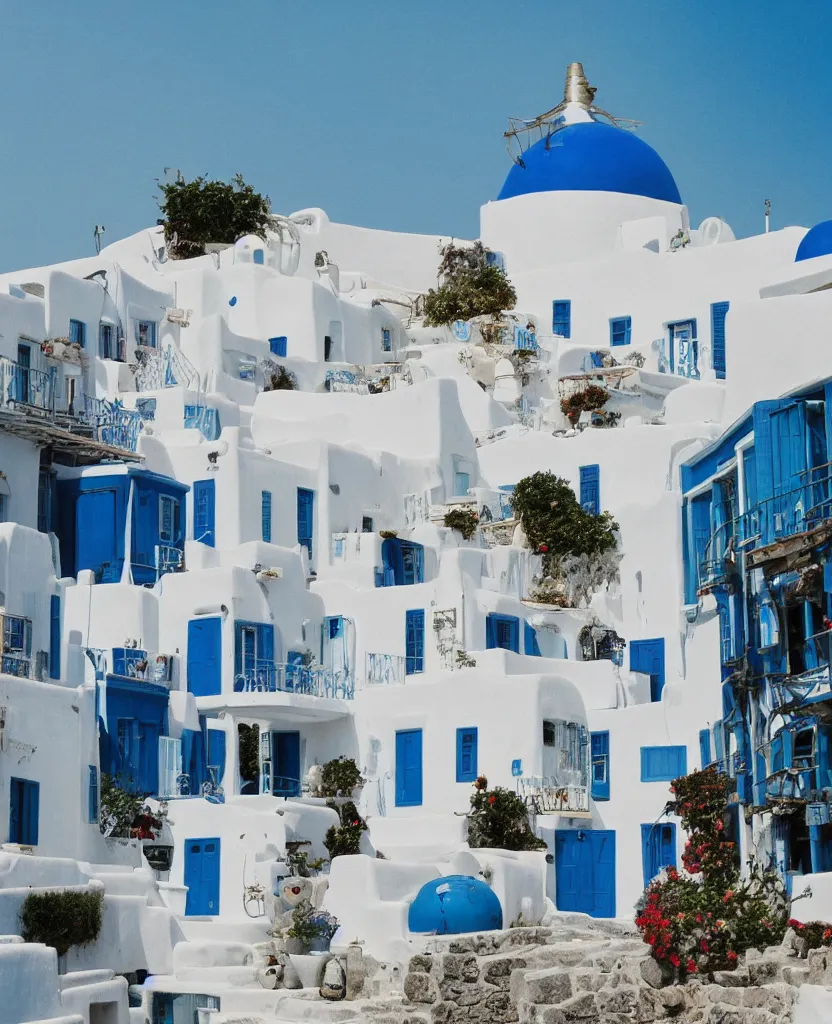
column 499, row 820
column 702, row 920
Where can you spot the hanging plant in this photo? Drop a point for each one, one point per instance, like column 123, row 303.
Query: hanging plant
column 590, row 399
column 464, row 520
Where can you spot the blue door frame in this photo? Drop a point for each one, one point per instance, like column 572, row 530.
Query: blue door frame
column 286, row 764
column 204, row 656
column 658, row 848
column 205, row 511
column 409, row 768
column 585, row 871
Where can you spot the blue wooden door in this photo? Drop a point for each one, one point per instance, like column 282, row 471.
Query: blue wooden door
column 415, row 641
column 589, row 489
column 585, row 871
column 306, row 506
column 286, row 763
column 658, row 848
column 648, row 656
column 24, row 811
column 205, row 511
column 204, row 648
column 202, row 877
column 95, row 534
column 409, row 768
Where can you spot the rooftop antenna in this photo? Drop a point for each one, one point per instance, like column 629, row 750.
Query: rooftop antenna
column 578, row 104
column 768, row 215
column 99, row 231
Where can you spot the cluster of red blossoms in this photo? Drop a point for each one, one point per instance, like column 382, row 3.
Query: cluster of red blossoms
column 815, row 933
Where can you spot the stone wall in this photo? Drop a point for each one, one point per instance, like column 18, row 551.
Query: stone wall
column 588, row 972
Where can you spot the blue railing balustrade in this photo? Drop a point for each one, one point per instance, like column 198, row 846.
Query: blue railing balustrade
column 309, row 680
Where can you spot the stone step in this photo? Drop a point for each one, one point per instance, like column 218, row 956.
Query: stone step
column 297, row 1008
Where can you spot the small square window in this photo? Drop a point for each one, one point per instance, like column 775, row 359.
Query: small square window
column 77, row 332
column 548, row 733
column 146, row 333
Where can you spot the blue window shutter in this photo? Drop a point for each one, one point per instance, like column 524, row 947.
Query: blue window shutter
column 620, row 331
column 55, row 637
column 266, row 515
column 718, row 312
column 719, row 745
column 562, row 317
column 216, row 751
column 530, row 640
column 306, row 499
column 490, row 633
column 466, row 755
column 278, row 346
column 663, row 764
column 600, row 765
column 705, row 746
column 590, row 489
column 78, row 332
column 415, row 641
column 92, row 814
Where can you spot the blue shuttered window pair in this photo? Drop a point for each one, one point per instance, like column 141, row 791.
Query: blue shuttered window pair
column 24, row 811
column 620, row 330
column 279, row 346
column 600, row 761
column 467, row 741
column 663, row 764
column 719, row 311
column 562, row 317
column 502, row 631
column 590, row 489
column 266, row 515
column 415, row 641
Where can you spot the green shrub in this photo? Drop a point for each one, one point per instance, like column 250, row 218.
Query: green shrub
column 554, row 522
column 61, row 919
column 199, row 212
column 280, row 379
column 463, row 519
column 340, row 777
column 345, row 839
column 469, row 287
column 499, row 820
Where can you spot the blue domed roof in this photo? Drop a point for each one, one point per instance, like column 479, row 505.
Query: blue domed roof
column 454, row 904
column 590, row 156
column 816, row 242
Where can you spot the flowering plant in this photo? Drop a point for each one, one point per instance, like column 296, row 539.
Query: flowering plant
column 499, row 820
column 704, row 920
column 813, row 934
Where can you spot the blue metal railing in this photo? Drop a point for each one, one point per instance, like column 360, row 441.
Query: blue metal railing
column 27, row 386
column 112, row 423
column 309, row 680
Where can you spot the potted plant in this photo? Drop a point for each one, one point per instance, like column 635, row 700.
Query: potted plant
column 307, row 942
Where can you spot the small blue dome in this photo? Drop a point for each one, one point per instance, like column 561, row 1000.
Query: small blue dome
column 454, row 904
column 590, row 156
column 816, row 242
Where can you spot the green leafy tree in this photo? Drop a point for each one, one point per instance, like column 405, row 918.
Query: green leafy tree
column 554, row 522
column 201, row 211
column 469, row 287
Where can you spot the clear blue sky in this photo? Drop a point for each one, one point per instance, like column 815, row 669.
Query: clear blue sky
column 389, row 113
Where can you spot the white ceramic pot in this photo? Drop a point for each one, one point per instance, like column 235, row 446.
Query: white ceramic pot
column 309, row 967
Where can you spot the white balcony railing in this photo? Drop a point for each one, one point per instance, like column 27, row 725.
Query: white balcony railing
column 385, row 669
column 546, row 797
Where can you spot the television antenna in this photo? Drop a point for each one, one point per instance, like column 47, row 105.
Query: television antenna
column 578, row 104
column 97, row 234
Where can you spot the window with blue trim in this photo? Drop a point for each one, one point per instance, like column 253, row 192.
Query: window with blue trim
column 600, row 765
column 415, row 641
column 562, row 317
column 279, row 346
column 620, row 330
column 78, row 333
column 146, row 333
column 107, row 345
column 663, row 764
column 502, row 631
column 169, row 518
column 92, row 805
column 466, row 754
column 266, row 515
column 386, row 339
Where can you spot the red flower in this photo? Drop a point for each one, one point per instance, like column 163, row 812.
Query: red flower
column 492, row 799
column 726, row 898
column 543, row 548
column 690, row 967
column 703, row 946
column 732, row 956
column 674, row 959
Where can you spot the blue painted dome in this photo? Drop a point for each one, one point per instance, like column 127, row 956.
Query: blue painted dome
column 590, row 156
column 454, row 904
column 816, row 242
